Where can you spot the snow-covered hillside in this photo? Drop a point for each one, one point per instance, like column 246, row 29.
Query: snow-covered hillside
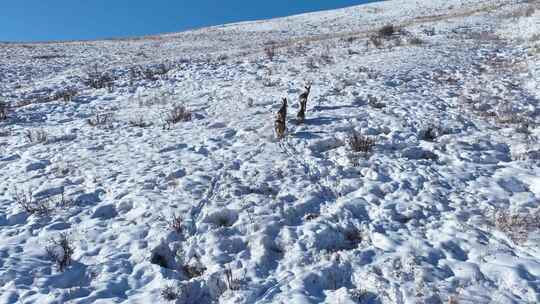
column 105, row 197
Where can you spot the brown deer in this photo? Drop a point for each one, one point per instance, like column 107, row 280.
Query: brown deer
column 280, row 123
column 303, row 104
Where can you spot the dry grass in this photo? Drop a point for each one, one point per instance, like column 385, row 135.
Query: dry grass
column 517, row 226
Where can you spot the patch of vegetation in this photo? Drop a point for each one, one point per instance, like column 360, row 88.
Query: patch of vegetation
column 3, row 110
column 60, row 251
column 98, row 79
column 360, row 143
column 36, row 136
column 101, row 119
column 178, row 113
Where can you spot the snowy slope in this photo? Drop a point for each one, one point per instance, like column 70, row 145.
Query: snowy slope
column 444, row 209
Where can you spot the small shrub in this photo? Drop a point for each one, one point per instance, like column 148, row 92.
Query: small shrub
column 61, row 251
column 429, row 32
column 374, row 102
column 327, row 58
column 66, row 94
column 5, row 133
column 453, row 300
column 170, row 293
column 222, row 57
column 176, row 223
column 270, row 52
column 507, row 117
column 269, row 82
column 360, row 143
column 353, row 237
column 138, row 121
column 352, row 52
column 26, row 201
column 529, row 11
column 430, row 133
column 223, row 221
column 97, row 79
column 416, row 41
column 159, row 259
column 363, row 296
column 232, row 282
column 36, row 136
column 310, row 216
column 150, row 73
column 229, row 282
column 48, row 56
column 162, row 98
column 524, row 11
column 376, row 41
column 387, row 31
column 62, row 201
column 101, row 119
column 3, row 110
column 193, row 271
column 41, row 207
column 176, row 114
column 311, row 63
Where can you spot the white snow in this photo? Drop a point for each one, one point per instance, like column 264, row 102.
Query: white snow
column 301, row 220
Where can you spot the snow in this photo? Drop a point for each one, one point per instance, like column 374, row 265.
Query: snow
column 300, row 220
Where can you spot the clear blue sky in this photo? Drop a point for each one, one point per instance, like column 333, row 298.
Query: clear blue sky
column 44, row 20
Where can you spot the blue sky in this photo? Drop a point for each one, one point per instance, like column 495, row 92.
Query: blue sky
column 45, row 20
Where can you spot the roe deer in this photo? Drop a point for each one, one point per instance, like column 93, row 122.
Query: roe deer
column 280, row 123
column 303, row 104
